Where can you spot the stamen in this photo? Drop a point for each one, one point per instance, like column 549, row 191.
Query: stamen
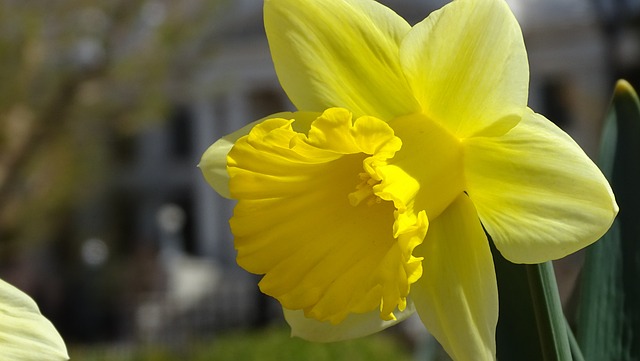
column 364, row 191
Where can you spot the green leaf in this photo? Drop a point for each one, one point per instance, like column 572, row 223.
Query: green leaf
column 531, row 325
column 552, row 325
column 26, row 335
column 517, row 334
column 609, row 309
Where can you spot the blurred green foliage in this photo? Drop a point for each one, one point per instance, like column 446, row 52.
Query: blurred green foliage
column 269, row 344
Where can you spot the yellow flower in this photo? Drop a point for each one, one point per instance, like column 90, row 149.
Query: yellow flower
column 26, row 335
column 409, row 140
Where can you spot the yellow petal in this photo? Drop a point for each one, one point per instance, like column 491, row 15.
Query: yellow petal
column 354, row 326
column 213, row 163
column 321, row 249
column 339, row 54
column 467, row 66
column 25, row 334
column 457, row 296
column 538, row 194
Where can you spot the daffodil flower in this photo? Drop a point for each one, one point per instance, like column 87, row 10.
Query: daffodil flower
column 410, row 142
column 26, row 335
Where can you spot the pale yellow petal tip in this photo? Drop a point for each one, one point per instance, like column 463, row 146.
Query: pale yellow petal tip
column 25, row 333
column 354, row 326
column 213, row 166
column 615, row 209
column 624, row 87
column 213, row 163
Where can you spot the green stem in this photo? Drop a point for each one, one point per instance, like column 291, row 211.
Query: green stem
column 576, row 352
column 550, row 319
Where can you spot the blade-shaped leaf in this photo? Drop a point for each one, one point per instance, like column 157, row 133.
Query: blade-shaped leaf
column 531, row 325
column 609, row 309
column 517, row 334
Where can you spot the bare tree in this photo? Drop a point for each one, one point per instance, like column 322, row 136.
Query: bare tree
column 76, row 75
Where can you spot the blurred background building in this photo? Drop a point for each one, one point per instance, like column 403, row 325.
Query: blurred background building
column 105, row 110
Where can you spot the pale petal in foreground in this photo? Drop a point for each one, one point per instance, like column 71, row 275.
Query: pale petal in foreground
column 26, row 335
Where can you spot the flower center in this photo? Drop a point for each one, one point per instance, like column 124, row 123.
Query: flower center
column 364, row 191
column 432, row 157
